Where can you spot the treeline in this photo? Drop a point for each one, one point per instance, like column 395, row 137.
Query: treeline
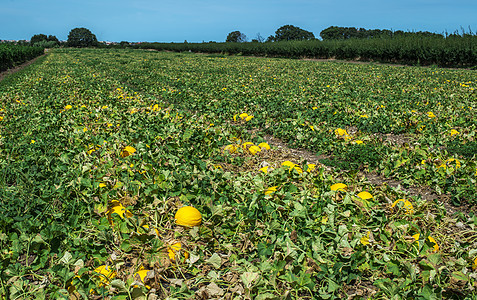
column 12, row 54
column 414, row 49
column 344, row 33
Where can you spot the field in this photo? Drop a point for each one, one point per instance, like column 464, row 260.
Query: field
column 366, row 191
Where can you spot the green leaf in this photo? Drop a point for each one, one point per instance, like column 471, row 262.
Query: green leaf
column 248, row 278
column 425, row 265
column 428, row 293
column 459, row 276
column 332, row 286
column 393, row 267
column 120, row 285
column 66, row 259
column 299, row 211
column 215, row 261
column 435, row 258
column 266, row 296
column 126, row 246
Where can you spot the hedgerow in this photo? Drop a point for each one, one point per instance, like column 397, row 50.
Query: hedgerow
column 455, row 51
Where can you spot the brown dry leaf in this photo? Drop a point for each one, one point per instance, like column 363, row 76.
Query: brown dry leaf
column 128, row 200
column 312, row 266
column 347, row 251
column 214, row 290
column 176, row 282
column 231, row 277
column 293, row 236
column 237, row 289
column 162, row 264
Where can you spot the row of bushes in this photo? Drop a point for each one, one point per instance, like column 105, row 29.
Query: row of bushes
column 12, row 55
column 445, row 52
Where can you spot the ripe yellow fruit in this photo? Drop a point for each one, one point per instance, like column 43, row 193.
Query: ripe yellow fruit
column 365, row 195
column 141, row 275
column 338, row 187
column 264, row 169
column 128, row 150
column 288, row 164
column 188, row 216
column 117, row 208
column 271, row 190
column 430, row 238
column 292, row 166
column 254, row 149
column 107, row 274
column 246, row 144
column 231, row 148
column 243, row 115
column 264, row 145
column 174, row 249
column 311, row 167
column 406, row 204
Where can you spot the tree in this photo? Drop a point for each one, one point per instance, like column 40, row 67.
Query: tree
column 38, row 38
column 290, row 33
column 52, row 38
column 81, row 37
column 260, row 38
column 332, row 33
column 41, row 40
column 236, row 37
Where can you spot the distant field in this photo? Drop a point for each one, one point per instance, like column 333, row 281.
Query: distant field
column 100, row 148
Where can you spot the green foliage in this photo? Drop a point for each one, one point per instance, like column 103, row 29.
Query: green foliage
column 81, row 37
column 12, row 55
column 345, row 33
column 41, row 39
column 467, row 149
column 357, row 157
column 46, row 44
column 292, row 33
column 401, row 48
column 38, row 38
column 236, row 37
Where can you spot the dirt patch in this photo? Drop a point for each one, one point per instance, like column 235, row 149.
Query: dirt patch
column 15, row 69
column 297, row 154
column 395, row 139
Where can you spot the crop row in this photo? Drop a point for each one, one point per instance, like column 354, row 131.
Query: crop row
column 12, row 55
column 99, row 148
column 457, row 52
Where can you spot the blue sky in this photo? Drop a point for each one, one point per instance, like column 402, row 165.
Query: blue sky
column 212, row 20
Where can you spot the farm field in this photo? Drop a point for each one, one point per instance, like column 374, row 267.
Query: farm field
column 100, row 148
